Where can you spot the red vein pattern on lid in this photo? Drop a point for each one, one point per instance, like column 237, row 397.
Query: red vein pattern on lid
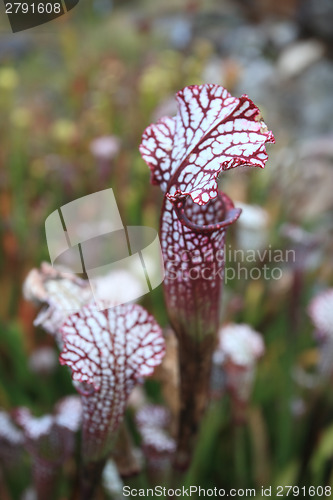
column 108, row 351
column 211, row 132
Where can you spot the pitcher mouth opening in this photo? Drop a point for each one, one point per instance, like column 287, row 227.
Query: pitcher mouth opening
column 226, row 213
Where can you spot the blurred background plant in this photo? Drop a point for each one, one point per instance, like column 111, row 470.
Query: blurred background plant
column 75, row 97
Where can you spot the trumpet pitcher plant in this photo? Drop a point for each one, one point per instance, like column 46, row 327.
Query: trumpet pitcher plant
column 211, row 133
column 107, row 351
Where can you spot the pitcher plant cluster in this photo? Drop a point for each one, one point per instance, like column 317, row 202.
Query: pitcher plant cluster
column 110, row 352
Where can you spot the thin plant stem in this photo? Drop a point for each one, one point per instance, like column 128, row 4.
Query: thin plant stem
column 91, row 475
column 195, row 368
column 239, row 454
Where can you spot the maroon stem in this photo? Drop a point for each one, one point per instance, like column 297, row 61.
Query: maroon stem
column 46, row 476
column 91, row 475
column 122, row 453
column 195, row 367
column 4, row 493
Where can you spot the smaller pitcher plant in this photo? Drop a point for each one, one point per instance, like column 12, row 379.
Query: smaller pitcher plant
column 238, row 351
column 321, row 313
column 107, row 351
column 50, row 440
